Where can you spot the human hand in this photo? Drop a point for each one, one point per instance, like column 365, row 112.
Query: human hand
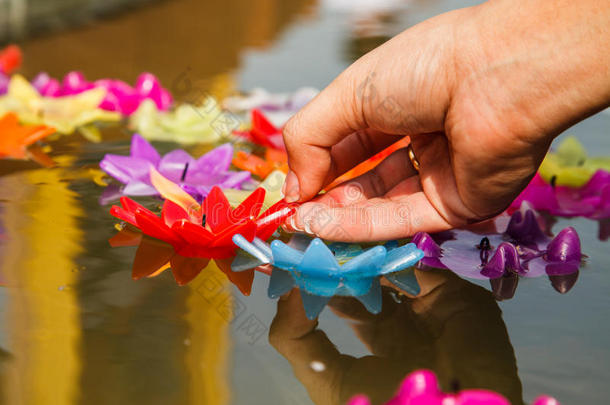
column 481, row 91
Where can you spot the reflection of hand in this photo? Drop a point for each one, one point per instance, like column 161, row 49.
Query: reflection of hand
column 482, row 91
column 454, row 328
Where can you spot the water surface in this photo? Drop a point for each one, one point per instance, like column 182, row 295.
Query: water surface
column 76, row 329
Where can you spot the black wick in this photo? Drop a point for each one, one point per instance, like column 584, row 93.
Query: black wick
column 203, row 220
column 484, row 244
column 553, row 181
column 485, row 247
column 186, row 167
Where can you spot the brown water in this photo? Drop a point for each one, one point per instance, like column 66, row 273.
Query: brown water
column 76, row 329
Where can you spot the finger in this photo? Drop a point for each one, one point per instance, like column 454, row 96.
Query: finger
column 355, row 149
column 351, row 309
column 370, row 163
column 375, row 219
column 290, row 321
column 331, row 116
column 375, row 183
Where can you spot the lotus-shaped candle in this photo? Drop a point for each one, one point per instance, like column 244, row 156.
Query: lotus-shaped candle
column 202, row 231
column 273, row 190
column 312, row 266
column 275, row 159
column 10, row 59
column 263, row 132
column 187, row 124
column 65, row 114
column 591, row 200
column 422, row 388
column 196, row 176
column 522, row 248
column 15, row 138
column 263, row 100
column 569, row 164
column 120, row 96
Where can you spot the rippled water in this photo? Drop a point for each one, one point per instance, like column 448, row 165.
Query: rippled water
column 76, row 329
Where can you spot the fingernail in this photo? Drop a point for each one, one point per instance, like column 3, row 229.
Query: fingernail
column 293, row 225
column 291, row 187
column 308, row 228
column 285, row 296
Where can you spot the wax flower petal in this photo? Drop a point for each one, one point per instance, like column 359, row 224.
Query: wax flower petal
column 321, row 273
column 196, row 177
column 274, row 159
column 570, row 184
column 523, row 248
column 65, row 114
column 173, row 192
column 432, row 251
column 272, row 185
column 261, row 99
column 592, row 200
column 10, row 59
column 119, row 97
column 570, row 166
column 187, row 124
column 421, row 387
column 563, row 255
column 504, row 261
column 263, row 132
column 203, row 231
column 15, row 138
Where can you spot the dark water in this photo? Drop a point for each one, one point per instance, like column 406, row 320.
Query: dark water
column 76, row 329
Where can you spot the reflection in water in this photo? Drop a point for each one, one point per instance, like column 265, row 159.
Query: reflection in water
column 146, row 342
column 44, row 331
column 78, row 330
column 504, row 288
column 453, row 328
column 153, row 257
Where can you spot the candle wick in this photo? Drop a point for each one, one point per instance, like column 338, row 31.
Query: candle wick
column 186, row 167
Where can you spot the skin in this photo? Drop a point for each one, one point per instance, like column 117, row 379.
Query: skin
column 481, row 91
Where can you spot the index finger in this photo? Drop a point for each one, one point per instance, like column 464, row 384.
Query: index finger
column 309, row 136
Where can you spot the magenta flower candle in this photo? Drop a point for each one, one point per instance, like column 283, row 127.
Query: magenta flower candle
column 422, row 388
column 120, row 96
column 590, row 201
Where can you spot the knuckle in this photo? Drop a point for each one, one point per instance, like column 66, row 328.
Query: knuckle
column 377, row 183
column 290, row 131
column 405, row 219
column 364, row 141
column 367, row 222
